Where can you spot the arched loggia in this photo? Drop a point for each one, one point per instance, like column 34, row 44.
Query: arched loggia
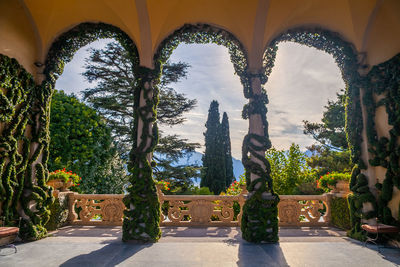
column 259, row 221
column 350, row 64
column 31, row 183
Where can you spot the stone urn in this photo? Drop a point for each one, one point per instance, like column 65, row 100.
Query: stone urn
column 341, row 187
column 59, row 185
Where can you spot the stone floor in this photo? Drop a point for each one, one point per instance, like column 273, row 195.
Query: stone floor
column 181, row 246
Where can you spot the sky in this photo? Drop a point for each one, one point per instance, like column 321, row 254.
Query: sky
column 298, row 88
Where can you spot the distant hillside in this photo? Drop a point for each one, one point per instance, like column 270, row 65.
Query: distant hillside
column 195, row 158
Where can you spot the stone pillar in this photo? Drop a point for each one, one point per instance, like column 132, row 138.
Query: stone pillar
column 260, row 212
column 142, row 217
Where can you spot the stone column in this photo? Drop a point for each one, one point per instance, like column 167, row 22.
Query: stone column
column 260, row 212
column 142, row 216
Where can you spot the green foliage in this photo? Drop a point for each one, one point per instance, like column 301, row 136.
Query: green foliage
column 64, row 176
column 58, row 213
column 213, row 172
column 345, row 56
column 142, row 193
column 23, row 174
column 340, row 214
column 142, row 216
column 168, row 152
column 82, row 142
column 331, row 179
column 236, row 187
column 361, row 194
column 330, row 133
column 264, row 224
column 194, row 190
column 289, row 169
column 383, row 83
column 331, row 154
column 226, row 140
column 115, row 74
column 325, row 160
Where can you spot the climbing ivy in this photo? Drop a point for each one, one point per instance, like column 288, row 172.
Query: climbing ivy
column 349, row 64
column 24, row 103
column 142, row 218
column 259, row 220
column 21, row 109
column 205, row 34
column 383, row 83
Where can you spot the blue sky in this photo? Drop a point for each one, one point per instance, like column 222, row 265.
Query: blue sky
column 300, row 85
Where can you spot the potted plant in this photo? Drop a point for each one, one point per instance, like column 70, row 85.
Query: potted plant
column 62, row 180
column 163, row 186
column 335, row 182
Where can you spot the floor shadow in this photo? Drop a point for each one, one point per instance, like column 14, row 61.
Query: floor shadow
column 254, row 255
column 88, row 231
column 225, row 232
column 387, row 252
column 311, row 231
column 110, row 255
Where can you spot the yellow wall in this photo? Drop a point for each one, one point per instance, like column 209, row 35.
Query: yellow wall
column 383, row 41
column 17, row 38
column 55, row 17
column 28, row 27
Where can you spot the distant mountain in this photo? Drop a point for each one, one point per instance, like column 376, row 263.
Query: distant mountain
column 195, row 158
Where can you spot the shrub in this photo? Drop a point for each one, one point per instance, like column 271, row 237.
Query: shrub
column 165, row 185
column 340, row 214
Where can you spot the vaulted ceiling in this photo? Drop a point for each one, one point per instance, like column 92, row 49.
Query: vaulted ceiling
column 28, row 27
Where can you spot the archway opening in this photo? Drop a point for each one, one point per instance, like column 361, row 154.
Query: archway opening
column 350, row 65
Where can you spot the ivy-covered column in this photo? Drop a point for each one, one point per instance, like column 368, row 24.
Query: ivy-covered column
column 142, row 217
column 24, row 140
column 260, row 212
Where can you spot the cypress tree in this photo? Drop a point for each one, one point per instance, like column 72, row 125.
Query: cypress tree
column 227, row 149
column 213, row 173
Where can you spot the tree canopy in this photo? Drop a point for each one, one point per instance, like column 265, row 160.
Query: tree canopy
column 330, row 153
column 289, row 169
column 213, row 172
column 226, row 141
column 112, row 71
column 82, row 142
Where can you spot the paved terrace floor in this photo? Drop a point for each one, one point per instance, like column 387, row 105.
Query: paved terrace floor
column 181, row 246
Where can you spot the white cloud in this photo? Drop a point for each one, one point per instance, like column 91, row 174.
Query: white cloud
column 300, row 84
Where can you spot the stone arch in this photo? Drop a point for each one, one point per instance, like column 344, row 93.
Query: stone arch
column 202, row 34
column 65, row 45
column 259, row 220
column 26, row 128
column 353, row 69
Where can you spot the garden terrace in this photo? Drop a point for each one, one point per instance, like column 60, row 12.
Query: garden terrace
column 38, row 37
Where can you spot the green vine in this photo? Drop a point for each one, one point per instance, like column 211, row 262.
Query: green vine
column 142, row 198
column 21, row 108
column 383, row 82
column 346, row 58
column 259, row 220
column 141, row 220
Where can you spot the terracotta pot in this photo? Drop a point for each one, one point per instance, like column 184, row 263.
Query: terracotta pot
column 341, row 186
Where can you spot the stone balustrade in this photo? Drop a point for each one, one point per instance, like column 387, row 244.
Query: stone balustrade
column 95, row 209
column 199, row 210
column 304, row 210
